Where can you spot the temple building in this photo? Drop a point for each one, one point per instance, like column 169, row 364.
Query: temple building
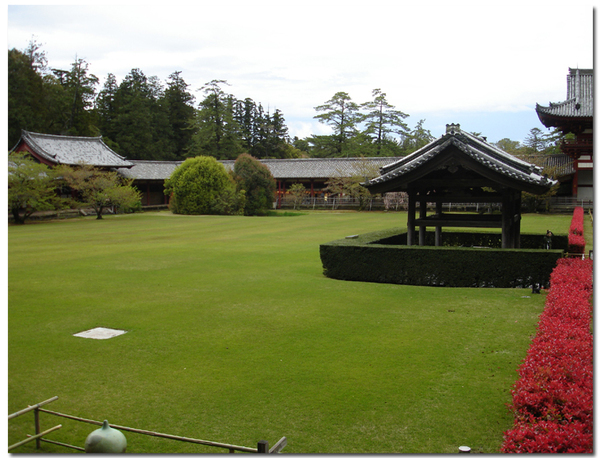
column 576, row 116
column 55, row 150
column 149, row 176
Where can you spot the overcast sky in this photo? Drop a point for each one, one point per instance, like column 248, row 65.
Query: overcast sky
column 481, row 64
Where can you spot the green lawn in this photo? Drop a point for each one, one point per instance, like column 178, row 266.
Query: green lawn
column 234, row 335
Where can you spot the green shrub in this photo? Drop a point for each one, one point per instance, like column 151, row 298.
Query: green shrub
column 202, row 186
column 379, row 257
column 258, row 183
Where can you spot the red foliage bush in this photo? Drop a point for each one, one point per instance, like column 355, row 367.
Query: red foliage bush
column 576, row 240
column 577, row 222
column 553, row 397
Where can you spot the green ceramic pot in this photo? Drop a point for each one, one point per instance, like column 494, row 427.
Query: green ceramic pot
column 105, row 440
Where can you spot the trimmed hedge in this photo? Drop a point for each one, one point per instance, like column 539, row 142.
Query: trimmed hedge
column 480, row 239
column 553, row 398
column 377, row 257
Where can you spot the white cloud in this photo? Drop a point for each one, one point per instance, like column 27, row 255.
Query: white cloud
column 426, row 56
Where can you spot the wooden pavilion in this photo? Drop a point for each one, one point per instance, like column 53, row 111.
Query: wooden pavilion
column 461, row 168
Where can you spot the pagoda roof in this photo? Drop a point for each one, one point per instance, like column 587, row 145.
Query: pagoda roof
column 70, row 150
column 579, row 102
column 456, row 150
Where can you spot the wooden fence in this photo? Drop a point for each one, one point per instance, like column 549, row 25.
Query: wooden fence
column 399, row 202
column 262, row 446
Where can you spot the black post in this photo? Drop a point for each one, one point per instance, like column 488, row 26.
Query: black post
column 422, row 216
column 410, row 234
column 263, row 447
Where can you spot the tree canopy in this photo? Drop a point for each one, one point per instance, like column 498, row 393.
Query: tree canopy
column 98, row 188
column 31, row 187
column 142, row 117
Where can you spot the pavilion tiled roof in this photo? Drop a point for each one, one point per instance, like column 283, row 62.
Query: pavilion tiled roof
column 61, row 149
column 520, row 172
column 580, row 98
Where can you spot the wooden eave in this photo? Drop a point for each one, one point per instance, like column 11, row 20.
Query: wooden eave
column 566, row 124
column 419, row 178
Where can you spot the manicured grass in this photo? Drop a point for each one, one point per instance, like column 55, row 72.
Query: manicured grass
column 234, row 335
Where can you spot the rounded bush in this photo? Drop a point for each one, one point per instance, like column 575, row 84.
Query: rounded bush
column 196, row 185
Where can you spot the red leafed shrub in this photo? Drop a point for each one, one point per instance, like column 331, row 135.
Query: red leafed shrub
column 576, row 240
column 549, row 437
column 553, row 397
column 576, row 243
column 577, row 222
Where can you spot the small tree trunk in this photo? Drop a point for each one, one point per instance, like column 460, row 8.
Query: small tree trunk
column 99, row 213
column 17, row 216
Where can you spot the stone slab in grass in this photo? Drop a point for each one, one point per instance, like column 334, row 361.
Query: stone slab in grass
column 100, row 333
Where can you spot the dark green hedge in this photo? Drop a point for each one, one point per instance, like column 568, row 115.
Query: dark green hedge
column 380, row 257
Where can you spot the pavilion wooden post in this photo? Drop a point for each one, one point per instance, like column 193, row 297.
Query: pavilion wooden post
column 422, row 215
column 506, row 219
column 438, row 228
column 410, row 234
column 511, row 219
column 517, row 222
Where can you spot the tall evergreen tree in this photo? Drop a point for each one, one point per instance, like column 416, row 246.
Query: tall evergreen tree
column 216, row 133
column 141, row 122
column 245, row 113
column 179, row 104
column 343, row 115
column 26, row 108
column 382, row 120
column 417, row 138
column 80, row 92
column 106, row 110
column 535, row 141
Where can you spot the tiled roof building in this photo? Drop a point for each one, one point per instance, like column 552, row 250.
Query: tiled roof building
column 60, row 149
column 149, row 176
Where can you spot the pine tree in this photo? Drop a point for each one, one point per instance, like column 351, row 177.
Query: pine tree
column 382, row 120
column 343, row 116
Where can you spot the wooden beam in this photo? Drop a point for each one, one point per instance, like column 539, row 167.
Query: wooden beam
column 281, row 443
column 460, row 220
column 37, row 436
